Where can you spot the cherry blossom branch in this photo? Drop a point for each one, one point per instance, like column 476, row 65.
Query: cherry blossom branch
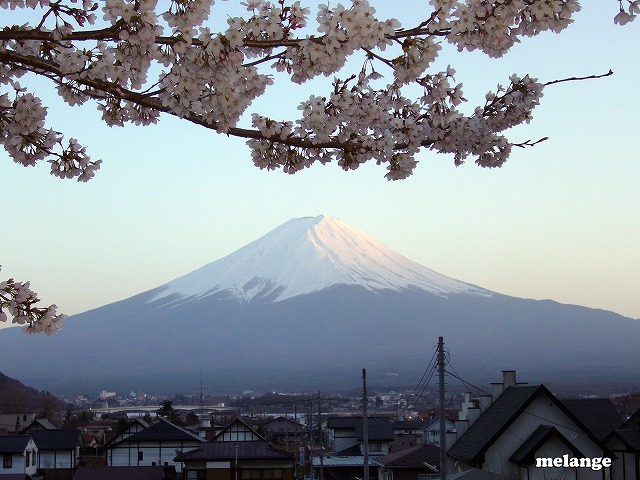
column 18, row 300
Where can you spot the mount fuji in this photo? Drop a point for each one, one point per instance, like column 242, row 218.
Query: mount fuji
column 310, row 304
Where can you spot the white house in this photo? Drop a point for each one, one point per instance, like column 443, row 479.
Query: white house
column 156, row 445
column 506, row 433
column 432, row 431
column 19, row 455
column 57, row 449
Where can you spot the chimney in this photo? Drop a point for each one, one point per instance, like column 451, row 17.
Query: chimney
column 497, row 389
column 485, row 402
column 473, row 414
column 508, row 378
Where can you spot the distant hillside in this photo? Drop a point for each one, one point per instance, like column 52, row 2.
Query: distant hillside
column 14, row 396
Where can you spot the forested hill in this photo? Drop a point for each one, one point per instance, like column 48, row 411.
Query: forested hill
column 14, row 396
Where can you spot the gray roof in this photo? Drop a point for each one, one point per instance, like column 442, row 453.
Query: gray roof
column 504, row 410
column 412, row 457
column 525, row 455
column 13, row 443
column 39, row 424
column 122, row 473
column 162, row 431
column 598, row 414
column 379, row 428
column 57, row 439
column 630, row 437
column 232, row 450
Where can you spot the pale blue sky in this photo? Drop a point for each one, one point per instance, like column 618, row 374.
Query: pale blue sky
column 558, row 221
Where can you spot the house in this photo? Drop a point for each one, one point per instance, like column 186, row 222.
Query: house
column 58, row 452
column 505, row 433
column 407, row 434
column 135, row 426
column 38, row 424
column 155, row 445
column 348, row 432
column 624, row 442
column 19, row 456
column 237, row 452
column 421, row 462
column 14, row 421
column 346, row 437
column 283, row 431
column 432, row 430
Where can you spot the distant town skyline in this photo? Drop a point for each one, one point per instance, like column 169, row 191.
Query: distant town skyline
column 558, row 221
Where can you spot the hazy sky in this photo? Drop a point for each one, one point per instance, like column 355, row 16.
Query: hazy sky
column 559, row 221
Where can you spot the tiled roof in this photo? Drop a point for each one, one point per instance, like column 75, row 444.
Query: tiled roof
column 633, row 421
column 492, row 423
column 525, row 455
column 13, row 443
column 411, row 457
column 597, row 414
column 57, row 439
column 39, row 424
column 232, row 450
column 378, row 428
column 162, row 431
column 630, row 437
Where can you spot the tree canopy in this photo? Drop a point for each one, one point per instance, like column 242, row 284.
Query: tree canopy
column 136, row 60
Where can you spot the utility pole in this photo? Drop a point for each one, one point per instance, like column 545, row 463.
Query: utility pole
column 311, row 440
column 365, row 423
column 443, row 420
column 320, row 437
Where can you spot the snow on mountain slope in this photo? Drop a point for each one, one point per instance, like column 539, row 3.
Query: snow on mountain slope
column 309, row 254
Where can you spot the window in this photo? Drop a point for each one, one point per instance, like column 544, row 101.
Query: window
column 196, row 474
column 140, row 456
column 7, row 460
column 27, row 458
column 375, row 447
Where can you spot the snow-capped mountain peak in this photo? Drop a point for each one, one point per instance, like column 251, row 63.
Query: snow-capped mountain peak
column 309, row 254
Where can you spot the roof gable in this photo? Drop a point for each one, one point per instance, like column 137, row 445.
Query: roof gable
column 39, row 424
column 57, row 439
column 14, row 443
column 162, row 431
column 525, row 455
column 239, row 431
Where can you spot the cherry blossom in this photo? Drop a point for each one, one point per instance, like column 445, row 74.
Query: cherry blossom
column 19, row 301
column 136, row 60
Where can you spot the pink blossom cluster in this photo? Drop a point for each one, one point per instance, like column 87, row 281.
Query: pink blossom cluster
column 139, row 59
column 19, row 301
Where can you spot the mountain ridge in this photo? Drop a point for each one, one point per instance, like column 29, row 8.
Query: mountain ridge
column 162, row 340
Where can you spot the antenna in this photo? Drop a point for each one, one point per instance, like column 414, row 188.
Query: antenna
column 201, row 399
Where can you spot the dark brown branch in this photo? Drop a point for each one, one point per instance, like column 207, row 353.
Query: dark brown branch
column 572, row 79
